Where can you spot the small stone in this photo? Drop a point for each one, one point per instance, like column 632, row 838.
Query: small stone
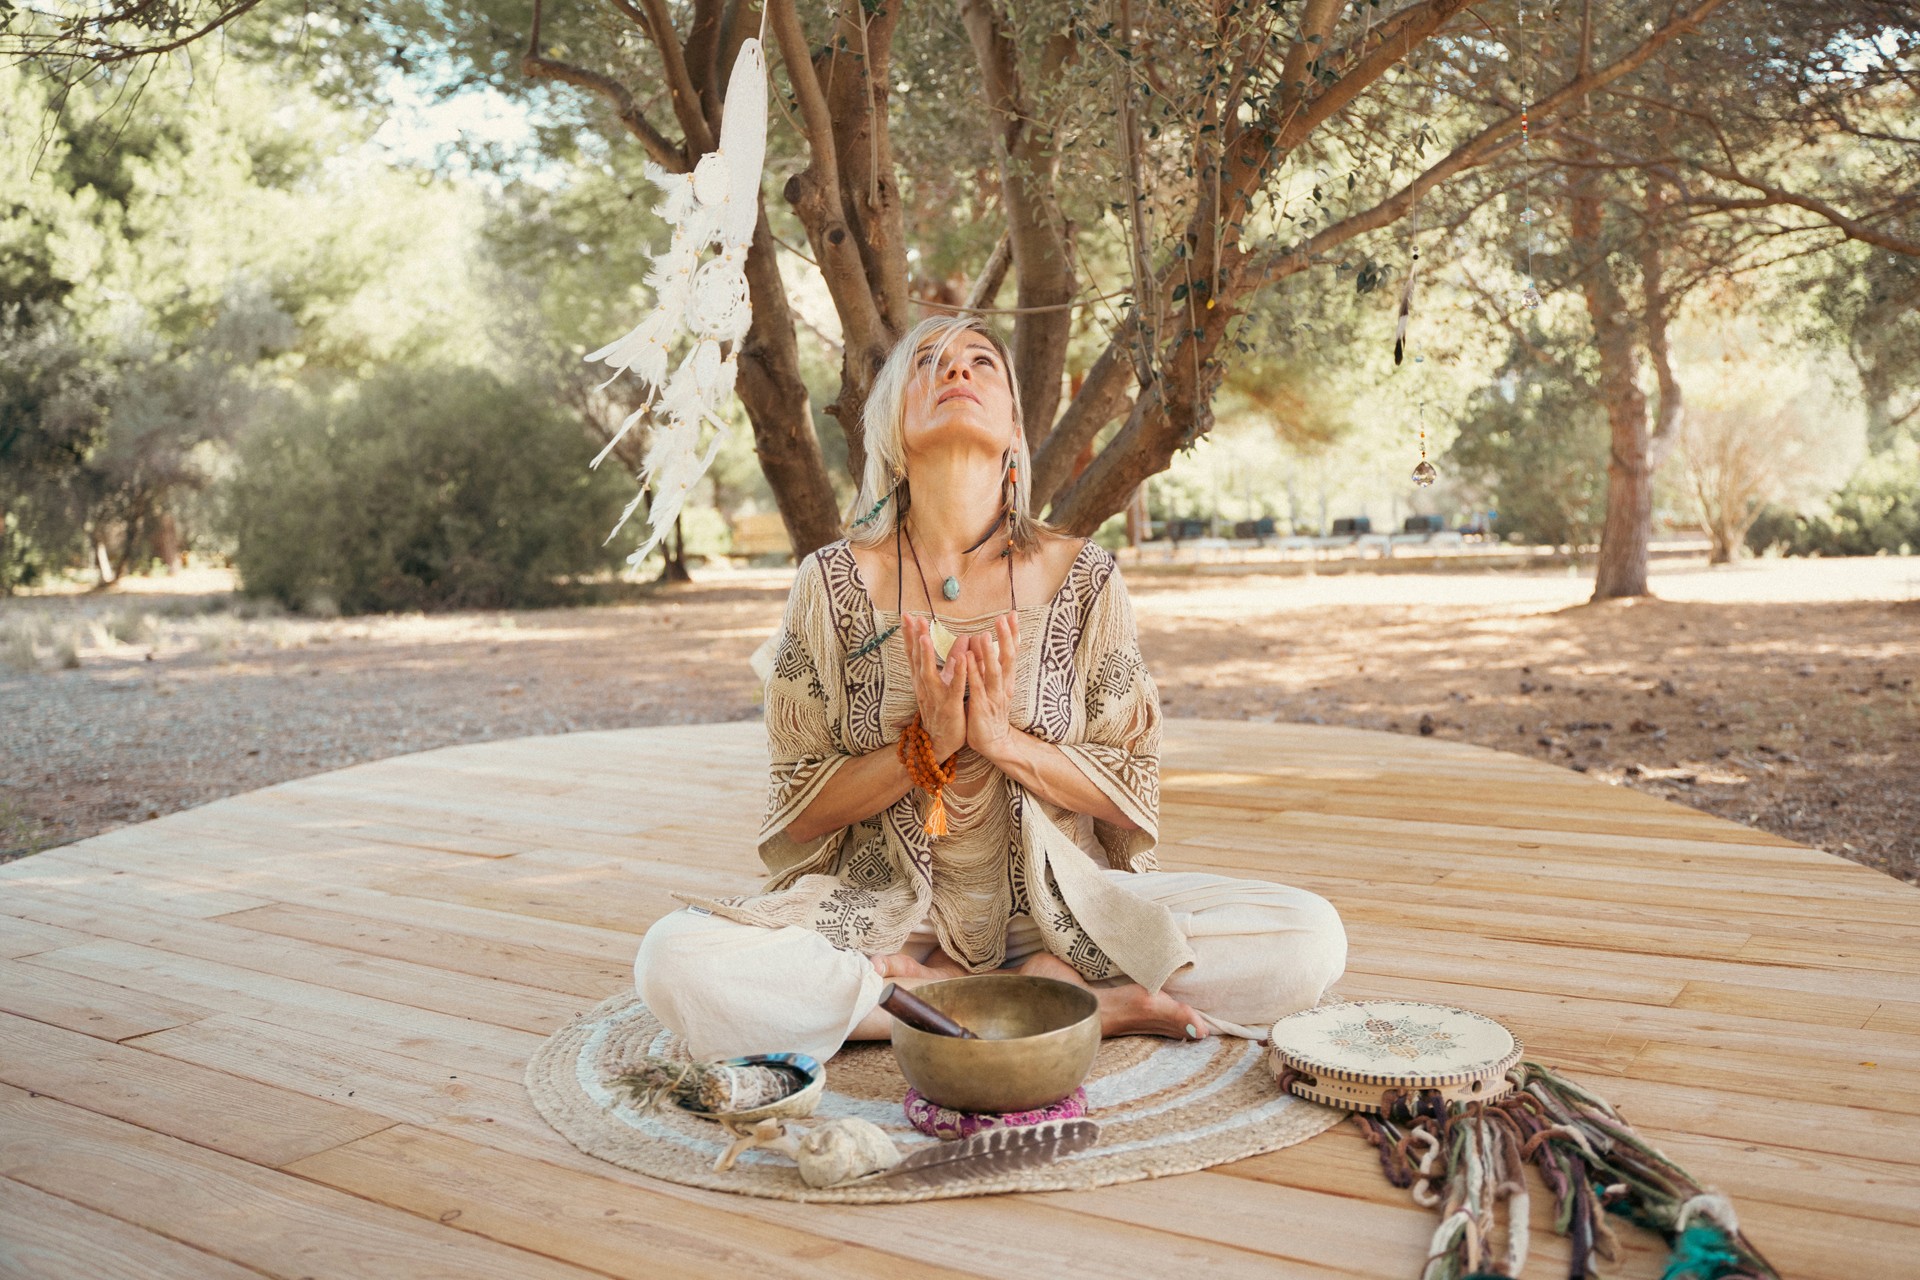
column 1426, row 726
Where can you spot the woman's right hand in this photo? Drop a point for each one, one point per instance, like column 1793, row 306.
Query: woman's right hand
column 940, row 692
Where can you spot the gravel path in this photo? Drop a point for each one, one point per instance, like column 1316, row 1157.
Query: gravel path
column 1777, row 694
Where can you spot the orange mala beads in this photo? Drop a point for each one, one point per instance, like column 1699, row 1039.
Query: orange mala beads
column 916, row 752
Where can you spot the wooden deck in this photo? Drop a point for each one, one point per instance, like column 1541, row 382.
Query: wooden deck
column 284, row 1033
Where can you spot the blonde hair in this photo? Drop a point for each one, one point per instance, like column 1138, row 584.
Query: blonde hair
column 885, row 495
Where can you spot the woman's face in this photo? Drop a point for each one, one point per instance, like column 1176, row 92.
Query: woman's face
column 965, row 400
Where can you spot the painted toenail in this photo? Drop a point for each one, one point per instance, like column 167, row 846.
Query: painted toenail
column 1191, row 1033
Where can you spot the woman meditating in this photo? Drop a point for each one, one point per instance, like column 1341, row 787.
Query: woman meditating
column 937, row 811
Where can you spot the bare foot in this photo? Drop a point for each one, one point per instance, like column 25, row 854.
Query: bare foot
column 1126, row 1010
column 901, row 965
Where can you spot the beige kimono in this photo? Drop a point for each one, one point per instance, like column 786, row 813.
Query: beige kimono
column 787, row 968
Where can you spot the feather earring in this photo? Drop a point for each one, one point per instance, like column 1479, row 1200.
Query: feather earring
column 1406, row 310
column 874, row 512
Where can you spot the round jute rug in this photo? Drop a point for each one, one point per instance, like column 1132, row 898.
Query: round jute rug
column 1164, row 1107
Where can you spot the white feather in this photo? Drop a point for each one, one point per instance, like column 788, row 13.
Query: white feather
column 677, row 188
column 743, row 140
column 625, row 427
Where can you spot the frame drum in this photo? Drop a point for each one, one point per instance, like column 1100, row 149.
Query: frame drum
column 1350, row 1055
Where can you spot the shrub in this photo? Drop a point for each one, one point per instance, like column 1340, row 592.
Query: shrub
column 441, row 488
column 1878, row 511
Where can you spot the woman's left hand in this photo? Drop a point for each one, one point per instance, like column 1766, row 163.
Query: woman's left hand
column 990, row 687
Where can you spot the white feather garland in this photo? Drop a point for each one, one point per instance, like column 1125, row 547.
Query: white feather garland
column 709, row 302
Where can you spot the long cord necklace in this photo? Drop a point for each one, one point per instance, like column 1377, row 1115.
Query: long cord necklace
column 942, row 637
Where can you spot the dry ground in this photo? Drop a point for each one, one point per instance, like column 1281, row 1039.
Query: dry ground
column 1779, row 694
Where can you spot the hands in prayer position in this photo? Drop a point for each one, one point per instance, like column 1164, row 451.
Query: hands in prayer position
column 964, row 703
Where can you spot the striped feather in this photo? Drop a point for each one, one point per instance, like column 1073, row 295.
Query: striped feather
column 990, row 1154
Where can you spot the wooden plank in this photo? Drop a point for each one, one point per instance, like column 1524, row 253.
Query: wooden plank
column 47, row 1238
column 455, row 952
column 1896, row 1015
column 1793, row 1007
column 99, row 1009
column 274, row 1222
column 510, row 1004
column 481, row 1047
column 1843, row 1185
column 582, row 1218
column 403, row 1088
column 600, row 895
column 1489, row 954
column 137, row 850
column 68, row 868
column 26, row 937
column 212, row 1109
column 1852, row 1082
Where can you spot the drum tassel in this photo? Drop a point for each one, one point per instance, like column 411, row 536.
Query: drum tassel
column 1468, row 1161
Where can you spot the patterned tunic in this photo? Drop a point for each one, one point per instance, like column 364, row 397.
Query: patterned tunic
column 1080, row 683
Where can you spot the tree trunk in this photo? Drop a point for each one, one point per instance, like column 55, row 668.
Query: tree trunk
column 778, row 406
column 673, row 552
column 1621, row 568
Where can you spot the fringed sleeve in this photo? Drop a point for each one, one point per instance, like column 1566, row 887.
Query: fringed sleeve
column 803, row 747
column 1120, row 752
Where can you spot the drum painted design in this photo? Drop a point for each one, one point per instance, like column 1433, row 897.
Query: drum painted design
column 1350, row 1054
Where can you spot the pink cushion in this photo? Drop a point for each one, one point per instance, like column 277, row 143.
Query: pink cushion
column 944, row 1122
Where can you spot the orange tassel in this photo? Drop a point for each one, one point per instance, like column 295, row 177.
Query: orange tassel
column 916, row 752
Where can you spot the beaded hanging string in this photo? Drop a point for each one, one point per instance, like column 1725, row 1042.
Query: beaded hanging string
column 1468, row 1158
column 1424, row 473
column 1530, row 295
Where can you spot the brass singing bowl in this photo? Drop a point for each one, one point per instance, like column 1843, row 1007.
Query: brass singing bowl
column 1038, row 1038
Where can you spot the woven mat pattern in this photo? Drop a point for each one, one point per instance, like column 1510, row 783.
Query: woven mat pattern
column 1164, row 1107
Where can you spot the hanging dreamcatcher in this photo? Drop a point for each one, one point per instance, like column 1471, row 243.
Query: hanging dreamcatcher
column 718, row 201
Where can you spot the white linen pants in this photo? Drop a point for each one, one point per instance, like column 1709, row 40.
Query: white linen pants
column 1261, row 951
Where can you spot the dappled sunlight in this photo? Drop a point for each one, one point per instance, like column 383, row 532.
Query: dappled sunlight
column 1798, row 718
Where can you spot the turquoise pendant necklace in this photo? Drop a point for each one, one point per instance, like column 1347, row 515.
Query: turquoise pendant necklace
column 950, row 585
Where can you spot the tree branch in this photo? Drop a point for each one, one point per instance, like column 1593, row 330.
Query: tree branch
column 1484, row 146
column 536, row 66
column 687, row 108
column 1035, row 225
column 814, row 194
column 1103, row 394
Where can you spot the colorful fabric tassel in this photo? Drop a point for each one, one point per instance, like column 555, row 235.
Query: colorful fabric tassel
column 1468, row 1160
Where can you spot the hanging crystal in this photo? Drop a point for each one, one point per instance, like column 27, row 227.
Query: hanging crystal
column 1424, row 473
column 1530, row 297
column 1528, row 216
